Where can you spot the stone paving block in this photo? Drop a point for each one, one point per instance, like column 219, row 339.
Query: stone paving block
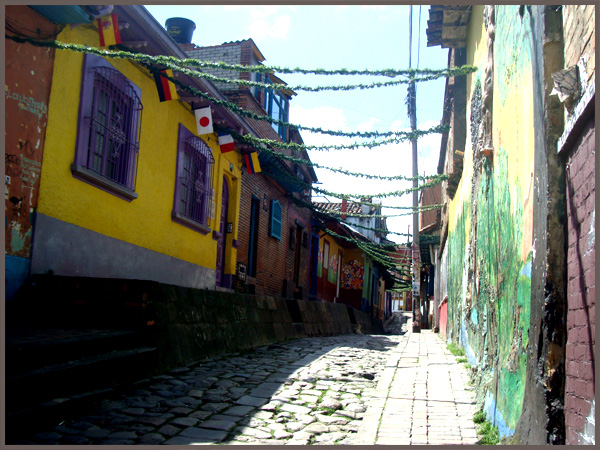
column 152, row 439
column 203, row 435
column 252, row 432
column 248, row 400
column 239, row 410
column 296, row 409
column 226, row 417
column 215, row 424
column 185, row 421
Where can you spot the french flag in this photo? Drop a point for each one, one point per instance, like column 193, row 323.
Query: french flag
column 226, row 142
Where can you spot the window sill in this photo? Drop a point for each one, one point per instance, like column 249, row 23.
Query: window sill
column 187, row 222
column 93, row 178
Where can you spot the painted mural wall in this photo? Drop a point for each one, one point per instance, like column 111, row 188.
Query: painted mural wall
column 491, row 215
column 28, row 79
column 144, row 223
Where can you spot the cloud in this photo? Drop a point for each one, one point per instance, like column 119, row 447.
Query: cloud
column 266, row 23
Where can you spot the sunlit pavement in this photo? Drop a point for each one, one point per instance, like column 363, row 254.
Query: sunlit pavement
column 422, row 397
column 395, row 389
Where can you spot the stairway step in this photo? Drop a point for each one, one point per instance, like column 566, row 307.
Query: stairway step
column 28, row 349
column 71, row 377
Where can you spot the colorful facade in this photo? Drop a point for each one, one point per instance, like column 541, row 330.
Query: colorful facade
column 503, row 265
column 274, row 253
column 27, row 90
column 128, row 189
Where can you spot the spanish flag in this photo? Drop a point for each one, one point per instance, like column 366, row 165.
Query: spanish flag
column 108, row 28
column 165, row 87
column 252, row 164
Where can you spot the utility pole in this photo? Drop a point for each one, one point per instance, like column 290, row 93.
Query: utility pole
column 412, row 112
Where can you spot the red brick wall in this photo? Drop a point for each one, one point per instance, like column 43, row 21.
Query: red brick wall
column 581, row 317
column 275, row 260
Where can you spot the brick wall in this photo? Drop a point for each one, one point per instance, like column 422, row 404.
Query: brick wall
column 579, row 34
column 581, row 317
column 275, row 259
column 230, row 54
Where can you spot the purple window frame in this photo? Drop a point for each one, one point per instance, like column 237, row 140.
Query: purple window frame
column 193, row 182
column 108, row 131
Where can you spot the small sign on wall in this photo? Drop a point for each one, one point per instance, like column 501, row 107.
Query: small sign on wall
column 229, row 227
column 241, row 272
column 415, row 288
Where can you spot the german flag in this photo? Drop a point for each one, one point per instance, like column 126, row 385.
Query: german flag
column 108, row 28
column 252, row 164
column 165, row 87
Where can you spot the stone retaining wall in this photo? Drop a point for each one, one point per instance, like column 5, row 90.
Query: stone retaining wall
column 185, row 324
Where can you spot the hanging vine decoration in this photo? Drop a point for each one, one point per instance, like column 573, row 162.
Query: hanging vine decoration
column 336, row 215
column 190, row 62
column 405, row 135
column 281, row 156
column 177, row 64
column 383, row 258
column 401, row 136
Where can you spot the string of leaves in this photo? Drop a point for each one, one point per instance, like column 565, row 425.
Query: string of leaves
column 281, row 156
column 412, row 73
column 401, row 136
column 174, row 63
column 336, row 215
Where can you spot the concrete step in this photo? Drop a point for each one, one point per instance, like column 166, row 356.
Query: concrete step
column 30, row 348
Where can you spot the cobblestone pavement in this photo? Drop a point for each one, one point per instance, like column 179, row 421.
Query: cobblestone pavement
column 323, row 390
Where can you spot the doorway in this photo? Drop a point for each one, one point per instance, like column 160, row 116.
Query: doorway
column 221, row 241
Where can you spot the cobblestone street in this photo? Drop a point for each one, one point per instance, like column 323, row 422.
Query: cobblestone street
column 349, row 389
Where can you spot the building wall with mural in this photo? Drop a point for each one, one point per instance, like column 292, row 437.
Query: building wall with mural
column 490, row 216
column 28, row 79
column 85, row 230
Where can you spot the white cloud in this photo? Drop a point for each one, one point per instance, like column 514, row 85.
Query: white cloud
column 266, row 23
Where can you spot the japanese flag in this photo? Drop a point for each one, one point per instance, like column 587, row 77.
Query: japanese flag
column 204, row 121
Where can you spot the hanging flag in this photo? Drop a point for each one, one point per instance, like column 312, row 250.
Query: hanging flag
column 204, row 121
column 165, row 87
column 226, row 142
column 252, row 164
column 108, row 28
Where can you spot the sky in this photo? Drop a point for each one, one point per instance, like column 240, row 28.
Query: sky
column 338, row 36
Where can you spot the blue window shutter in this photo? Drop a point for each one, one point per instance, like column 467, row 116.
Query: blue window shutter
column 275, row 229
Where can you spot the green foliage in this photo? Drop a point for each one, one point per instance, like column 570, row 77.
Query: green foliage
column 488, row 433
column 455, row 349
column 479, row 416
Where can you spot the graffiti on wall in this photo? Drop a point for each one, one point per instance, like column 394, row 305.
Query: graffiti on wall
column 25, row 103
column 333, row 268
column 352, row 275
column 490, row 233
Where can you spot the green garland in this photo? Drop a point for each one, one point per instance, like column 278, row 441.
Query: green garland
column 335, row 215
column 305, row 162
column 163, row 59
column 173, row 63
column 380, row 195
column 402, row 136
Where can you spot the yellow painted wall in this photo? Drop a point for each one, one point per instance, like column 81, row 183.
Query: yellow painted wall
column 145, row 221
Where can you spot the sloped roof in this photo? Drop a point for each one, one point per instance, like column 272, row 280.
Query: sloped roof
column 353, row 208
column 447, row 25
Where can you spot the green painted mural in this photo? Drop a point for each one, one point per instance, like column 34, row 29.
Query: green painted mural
column 490, row 237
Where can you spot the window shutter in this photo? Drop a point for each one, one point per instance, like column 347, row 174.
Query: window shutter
column 275, row 229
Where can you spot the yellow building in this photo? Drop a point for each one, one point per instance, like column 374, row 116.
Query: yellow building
column 128, row 188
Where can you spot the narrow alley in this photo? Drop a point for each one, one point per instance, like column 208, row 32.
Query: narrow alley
column 401, row 388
